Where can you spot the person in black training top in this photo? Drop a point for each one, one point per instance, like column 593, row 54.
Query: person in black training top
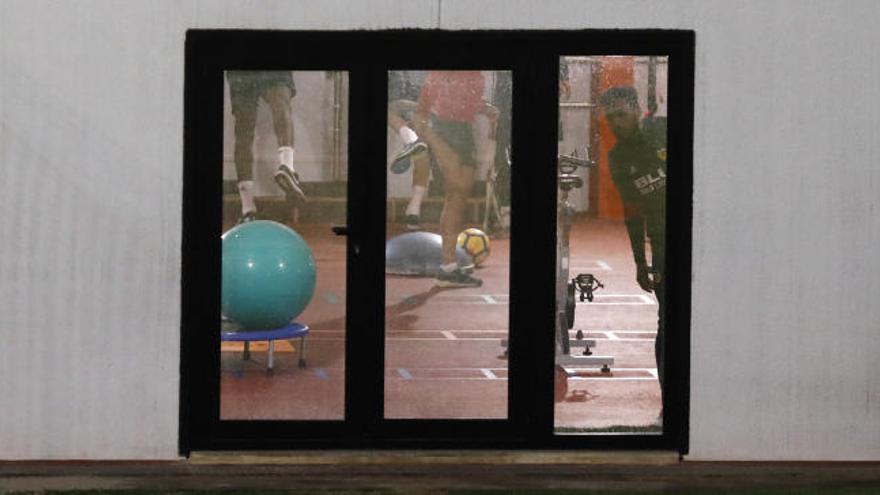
column 638, row 169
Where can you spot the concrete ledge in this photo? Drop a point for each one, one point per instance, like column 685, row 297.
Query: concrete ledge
column 413, row 457
column 440, row 472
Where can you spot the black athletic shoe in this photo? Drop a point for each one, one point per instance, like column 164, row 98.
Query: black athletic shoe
column 456, row 278
column 247, row 217
column 467, row 269
column 413, row 222
column 288, row 181
column 401, row 161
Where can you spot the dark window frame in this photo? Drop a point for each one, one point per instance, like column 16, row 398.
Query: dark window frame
column 533, row 56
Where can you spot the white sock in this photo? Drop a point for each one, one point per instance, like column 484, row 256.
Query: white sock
column 449, row 267
column 285, row 156
column 415, row 202
column 246, row 193
column 408, row 135
column 504, row 211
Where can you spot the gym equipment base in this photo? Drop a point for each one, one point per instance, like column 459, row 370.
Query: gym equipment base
column 605, row 362
column 288, row 332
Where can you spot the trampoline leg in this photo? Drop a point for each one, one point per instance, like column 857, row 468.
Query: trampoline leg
column 302, row 352
column 247, row 351
column 271, row 367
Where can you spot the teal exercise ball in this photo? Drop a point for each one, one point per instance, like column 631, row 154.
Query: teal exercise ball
column 268, row 275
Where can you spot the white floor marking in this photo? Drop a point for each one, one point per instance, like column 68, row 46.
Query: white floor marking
column 620, row 300
column 586, row 267
column 613, row 335
column 603, row 265
column 466, row 369
column 463, row 335
column 571, row 378
column 478, row 374
column 447, row 335
column 648, row 299
column 412, row 339
column 611, row 378
column 490, row 373
column 473, row 299
column 460, row 331
column 573, row 368
column 601, row 299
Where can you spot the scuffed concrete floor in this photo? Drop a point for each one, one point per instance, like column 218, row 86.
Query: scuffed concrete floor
column 450, row 472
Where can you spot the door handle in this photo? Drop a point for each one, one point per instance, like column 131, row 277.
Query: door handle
column 343, row 230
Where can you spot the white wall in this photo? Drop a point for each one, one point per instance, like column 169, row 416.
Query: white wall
column 785, row 324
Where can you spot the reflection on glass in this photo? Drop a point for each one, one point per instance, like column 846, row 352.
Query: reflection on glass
column 283, row 271
column 446, row 314
column 611, row 238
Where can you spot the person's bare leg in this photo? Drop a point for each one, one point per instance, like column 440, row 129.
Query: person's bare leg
column 421, row 175
column 278, row 98
column 396, row 122
column 396, row 110
column 456, row 176
column 451, row 274
column 421, row 170
column 451, row 223
column 244, row 161
column 458, row 179
column 412, row 146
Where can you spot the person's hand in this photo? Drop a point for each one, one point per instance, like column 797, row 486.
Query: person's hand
column 643, row 278
column 564, row 90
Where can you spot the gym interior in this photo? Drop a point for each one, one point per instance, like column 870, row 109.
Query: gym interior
column 445, row 349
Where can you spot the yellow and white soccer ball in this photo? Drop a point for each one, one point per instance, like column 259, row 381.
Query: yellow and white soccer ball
column 475, row 242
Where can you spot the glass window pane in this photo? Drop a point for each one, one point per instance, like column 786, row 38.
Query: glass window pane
column 447, row 249
column 611, row 238
column 283, row 280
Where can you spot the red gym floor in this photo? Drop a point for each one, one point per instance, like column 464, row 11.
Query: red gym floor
column 443, row 347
